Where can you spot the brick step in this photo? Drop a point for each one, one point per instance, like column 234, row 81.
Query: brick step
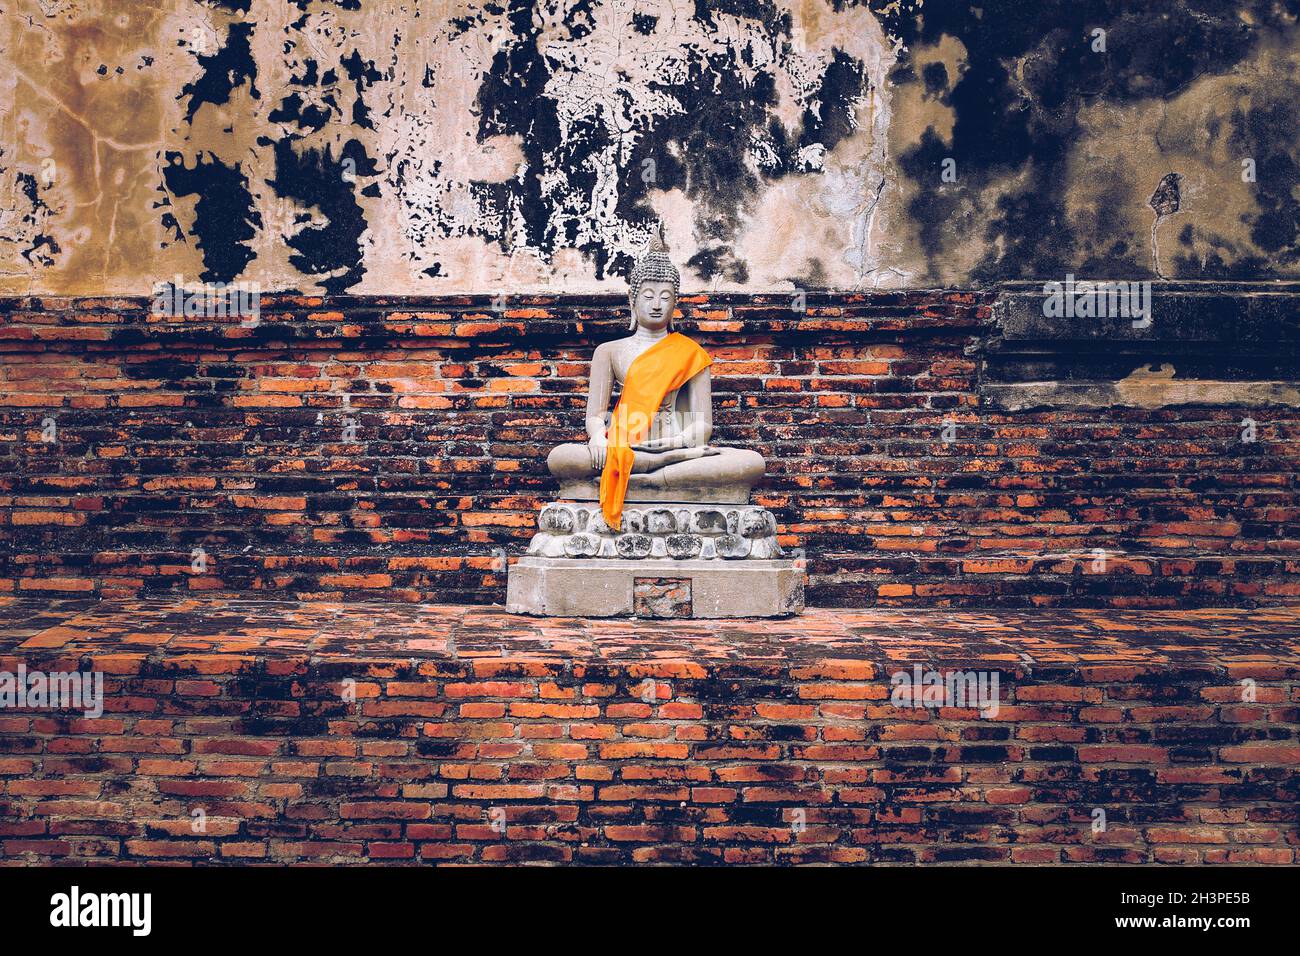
column 371, row 732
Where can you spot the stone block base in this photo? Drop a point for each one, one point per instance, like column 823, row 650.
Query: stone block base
column 610, row 587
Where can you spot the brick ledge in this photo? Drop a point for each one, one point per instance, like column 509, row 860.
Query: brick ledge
column 1089, row 644
column 475, row 737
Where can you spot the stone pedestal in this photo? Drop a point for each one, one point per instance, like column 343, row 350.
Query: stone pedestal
column 610, row 587
column 670, row 559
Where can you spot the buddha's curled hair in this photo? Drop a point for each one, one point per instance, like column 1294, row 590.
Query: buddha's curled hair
column 654, row 266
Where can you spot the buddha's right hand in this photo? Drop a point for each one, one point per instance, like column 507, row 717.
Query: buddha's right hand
column 597, row 446
column 688, row 454
column 662, row 443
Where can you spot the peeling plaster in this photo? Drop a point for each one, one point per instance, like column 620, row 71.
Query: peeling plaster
column 396, row 146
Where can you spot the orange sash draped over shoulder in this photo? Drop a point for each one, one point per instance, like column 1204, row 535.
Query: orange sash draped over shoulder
column 667, row 365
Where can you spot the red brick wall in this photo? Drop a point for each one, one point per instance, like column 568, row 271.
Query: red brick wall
column 175, row 434
column 512, row 760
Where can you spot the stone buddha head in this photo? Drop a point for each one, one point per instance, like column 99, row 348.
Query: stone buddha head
column 653, row 285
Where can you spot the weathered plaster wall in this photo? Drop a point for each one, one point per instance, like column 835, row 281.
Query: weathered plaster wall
column 396, row 146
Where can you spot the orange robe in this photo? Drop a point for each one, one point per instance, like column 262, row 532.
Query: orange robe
column 667, row 365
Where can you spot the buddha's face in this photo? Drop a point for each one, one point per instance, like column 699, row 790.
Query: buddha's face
column 652, row 309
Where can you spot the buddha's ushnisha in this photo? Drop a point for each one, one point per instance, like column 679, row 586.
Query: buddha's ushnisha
column 655, row 446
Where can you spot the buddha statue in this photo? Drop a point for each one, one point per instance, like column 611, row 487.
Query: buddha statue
column 689, row 544
column 655, row 447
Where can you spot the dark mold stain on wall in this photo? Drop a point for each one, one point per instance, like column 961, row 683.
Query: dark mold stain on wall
column 1268, row 131
column 229, row 67
column 42, row 248
column 726, row 110
column 224, row 216
column 720, row 120
column 1030, row 69
column 508, row 100
column 317, row 180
